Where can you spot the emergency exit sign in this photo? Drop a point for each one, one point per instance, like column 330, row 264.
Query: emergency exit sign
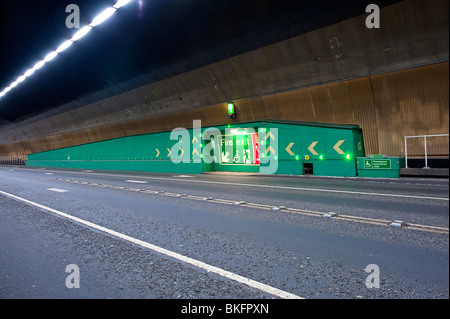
column 377, row 164
column 240, row 149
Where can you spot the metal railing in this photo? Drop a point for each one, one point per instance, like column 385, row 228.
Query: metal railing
column 425, row 146
column 13, row 160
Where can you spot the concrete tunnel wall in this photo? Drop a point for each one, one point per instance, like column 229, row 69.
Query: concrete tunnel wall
column 391, row 81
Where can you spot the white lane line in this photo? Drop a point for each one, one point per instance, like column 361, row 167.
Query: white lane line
column 294, row 188
column 275, row 187
column 58, row 190
column 137, row 182
column 270, row 186
column 199, row 264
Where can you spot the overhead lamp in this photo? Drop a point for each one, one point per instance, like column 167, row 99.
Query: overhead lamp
column 103, row 16
column 21, row 78
column 13, row 85
column 64, row 46
column 121, row 3
column 5, row 91
column 29, row 72
column 38, row 65
column 83, row 31
column 50, row 56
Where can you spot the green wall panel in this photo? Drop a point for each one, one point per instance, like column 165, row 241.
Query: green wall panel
column 330, row 149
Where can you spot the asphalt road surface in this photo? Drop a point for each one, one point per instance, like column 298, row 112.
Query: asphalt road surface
column 93, row 234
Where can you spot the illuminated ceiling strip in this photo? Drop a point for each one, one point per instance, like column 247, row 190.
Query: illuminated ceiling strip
column 102, row 17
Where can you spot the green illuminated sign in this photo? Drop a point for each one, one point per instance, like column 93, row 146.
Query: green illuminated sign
column 230, row 108
column 231, row 111
column 240, row 149
column 377, row 164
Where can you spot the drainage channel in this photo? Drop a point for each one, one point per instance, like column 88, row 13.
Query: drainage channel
column 332, row 215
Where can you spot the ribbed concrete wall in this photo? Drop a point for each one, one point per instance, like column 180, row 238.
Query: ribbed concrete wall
column 387, row 107
column 344, row 73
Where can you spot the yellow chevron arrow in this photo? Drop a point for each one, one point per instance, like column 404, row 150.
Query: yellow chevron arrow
column 271, row 150
column 288, row 149
column 157, row 155
column 271, row 136
column 170, row 152
column 337, row 149
column 311, row 148
column 182, row 152
column 195, row 152
column 194, row 140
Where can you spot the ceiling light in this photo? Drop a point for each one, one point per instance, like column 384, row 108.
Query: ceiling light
column 38, row 65
column 14, row 84
column 64, row 46
column 81, row 33
column 21, row 78
column 50, row 56
column 29, row 72
column 102, row 17
column 121, row 3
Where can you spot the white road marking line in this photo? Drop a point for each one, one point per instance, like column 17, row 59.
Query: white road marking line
column 138, row 182
column 58, row 190
column 295, row 188
column 272, row 186
column 366, row 220
column 199, row 264
column 48, row 173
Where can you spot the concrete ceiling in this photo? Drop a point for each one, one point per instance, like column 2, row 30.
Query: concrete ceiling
column 144, row 42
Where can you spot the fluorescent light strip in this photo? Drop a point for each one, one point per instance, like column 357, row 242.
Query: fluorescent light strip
column 100, row 18
column 64, row 46
column 83, row 31
column 121, row 3
column 50, row 56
